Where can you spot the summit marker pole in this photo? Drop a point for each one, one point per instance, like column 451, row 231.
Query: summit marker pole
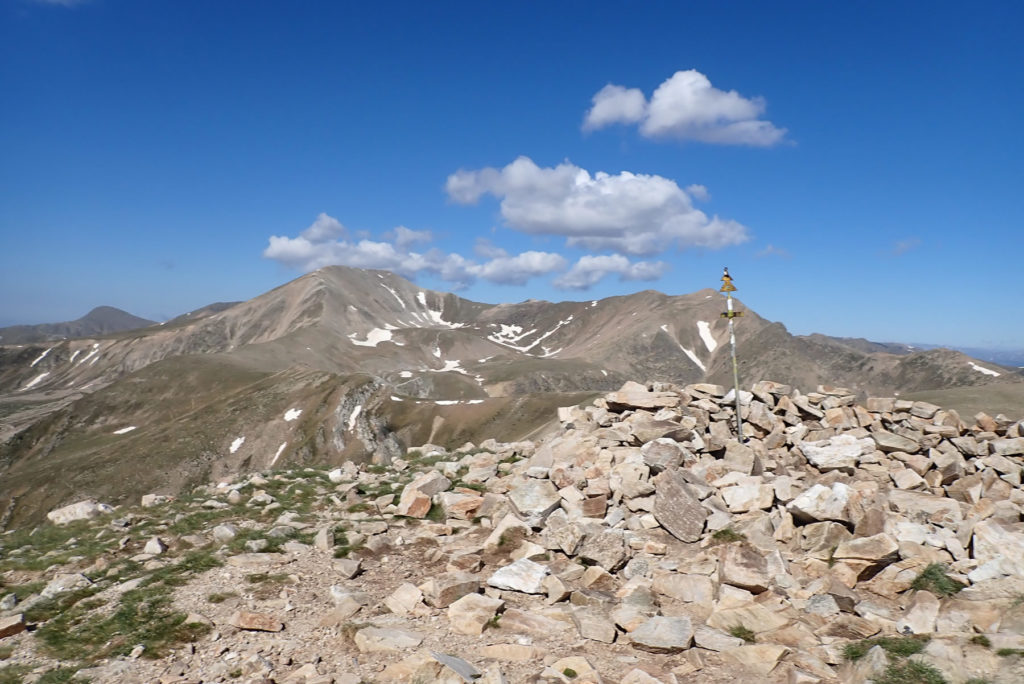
column 728, row 288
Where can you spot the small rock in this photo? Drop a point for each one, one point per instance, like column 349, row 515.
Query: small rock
column 471, row 613
column 155, row 546
column 259, row 622
column 11, row 625
column 380, row 639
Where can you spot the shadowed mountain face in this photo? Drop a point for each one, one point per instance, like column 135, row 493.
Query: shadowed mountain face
column 350, row 364
column 100, row 321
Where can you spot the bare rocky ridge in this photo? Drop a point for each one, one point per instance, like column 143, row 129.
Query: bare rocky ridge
column 102, row 320
column 642, row 542
column 374, row 363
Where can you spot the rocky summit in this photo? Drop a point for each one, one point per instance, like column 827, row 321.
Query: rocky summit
column 644, row 541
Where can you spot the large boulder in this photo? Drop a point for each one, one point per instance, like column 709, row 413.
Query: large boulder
column 82, row 510
column 662, row 634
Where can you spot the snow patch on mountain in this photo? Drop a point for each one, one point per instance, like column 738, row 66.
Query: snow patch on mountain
column 981, row 369
column 373, row 338
column 40, row 358
column 292, row 414
column 688, row 352
column 278, row 454
column 235, row 445
column 35, row 381
column 95, row 348
column 704, row 328
column 395, row 294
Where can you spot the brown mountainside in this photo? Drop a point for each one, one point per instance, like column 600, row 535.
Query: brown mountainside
column 347, row 363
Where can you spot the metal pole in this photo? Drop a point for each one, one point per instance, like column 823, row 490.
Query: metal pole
column 728, row 288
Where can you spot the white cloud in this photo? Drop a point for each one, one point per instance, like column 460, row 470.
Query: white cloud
column 405, row 237
column 687, row 107
column 520, row 268
column 615, row 104
column 325, row 243
column 698, row 192
column 591, row 269
column 324, row 228
column 629, row 213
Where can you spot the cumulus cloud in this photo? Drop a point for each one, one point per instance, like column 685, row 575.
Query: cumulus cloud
column 615, row 104
column 686, row 107
column 589, row 270
column 698, row 192
column 629, row 213
column 326, row 243
column 324, row 228
column 404, row 237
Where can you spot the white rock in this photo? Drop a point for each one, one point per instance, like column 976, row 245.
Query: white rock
column 524, row 575
column 83, row 510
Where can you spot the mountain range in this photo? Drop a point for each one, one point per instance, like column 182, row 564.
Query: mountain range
column 100, row 321
column 346, row 363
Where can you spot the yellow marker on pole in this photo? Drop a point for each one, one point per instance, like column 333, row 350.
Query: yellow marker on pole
column 728, row 288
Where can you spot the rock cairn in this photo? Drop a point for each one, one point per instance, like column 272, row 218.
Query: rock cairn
column 644, row 542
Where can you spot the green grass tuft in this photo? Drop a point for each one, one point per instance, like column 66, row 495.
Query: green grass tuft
column 727, row 535
column 13, row 674
column 1006, row 652
column 59, row 676
column 935, row 578
column 220, row 597
column 981, row 640
column 898, row 646
column 742, row 632
column 911, row 672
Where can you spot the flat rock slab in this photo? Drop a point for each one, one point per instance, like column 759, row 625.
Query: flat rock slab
column 839, row 452
column 1013, row 446
column 533, row 500
column 762, row 658
column 471, row 613
column 11, row 625
column 381, row 639
column 641, row 399
column 743, row 566
column 524, row 575
column 879, row 548
column 83, row 510
column 889, row 442
column 258, row 622
column 256, row 560
column 458, row 666
column 65, row 582
column 661, row 634
column 676, row 508
column 822, row 503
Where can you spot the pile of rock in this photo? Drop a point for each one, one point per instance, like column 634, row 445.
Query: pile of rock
column 825, row 513
column 642, row 543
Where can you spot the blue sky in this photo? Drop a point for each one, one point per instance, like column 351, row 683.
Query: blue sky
column 857, row 166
